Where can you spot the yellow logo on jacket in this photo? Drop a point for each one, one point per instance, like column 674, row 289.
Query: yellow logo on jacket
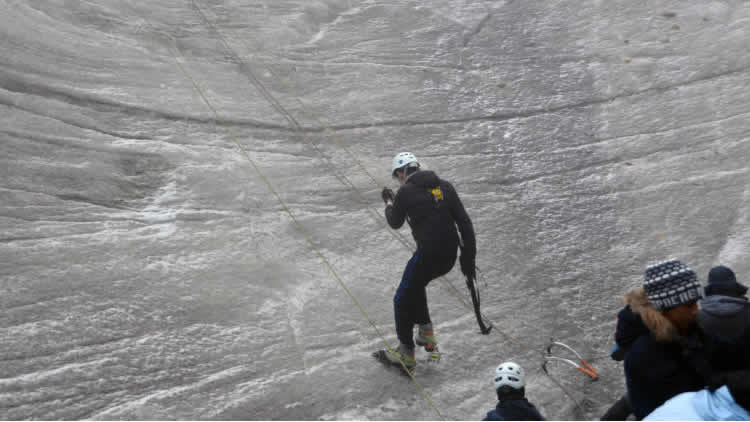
column 437, row 193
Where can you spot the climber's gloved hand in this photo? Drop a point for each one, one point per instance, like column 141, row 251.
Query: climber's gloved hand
column 388, row 195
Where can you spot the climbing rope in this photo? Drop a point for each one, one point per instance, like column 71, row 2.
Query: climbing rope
column 253, row 79
column 298, row 225
column 290, row 91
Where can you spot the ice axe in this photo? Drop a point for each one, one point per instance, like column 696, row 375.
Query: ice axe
column 471, row 284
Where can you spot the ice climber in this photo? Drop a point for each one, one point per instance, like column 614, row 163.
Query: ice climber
column 433, row 209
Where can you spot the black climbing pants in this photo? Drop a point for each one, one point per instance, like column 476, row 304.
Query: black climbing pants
column 410, row 301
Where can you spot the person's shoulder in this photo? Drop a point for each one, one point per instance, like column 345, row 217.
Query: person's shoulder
column 492, row 415
column 447, row 187
column 644, row 339
column 626, row 313
column 641, row 351
column 405, row 189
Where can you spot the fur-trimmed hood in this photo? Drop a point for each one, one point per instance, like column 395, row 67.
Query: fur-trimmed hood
column 662, row 329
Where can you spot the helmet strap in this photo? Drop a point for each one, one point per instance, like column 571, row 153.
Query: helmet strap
column 400, row 175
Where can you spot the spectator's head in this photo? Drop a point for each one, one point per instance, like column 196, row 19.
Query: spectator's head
column 673, row 289
column 509, row 380
column 683, row 316
column 721, row 281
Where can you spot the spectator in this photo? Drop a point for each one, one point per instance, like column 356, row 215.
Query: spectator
column 730, row 402
column 621, row 409
column 510, row 385
column 722, row 282
column 664, row 355
column 629, row 328
column 725, row 319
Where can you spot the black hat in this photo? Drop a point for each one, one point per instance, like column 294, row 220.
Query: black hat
column 721, row 281
column 670, row 284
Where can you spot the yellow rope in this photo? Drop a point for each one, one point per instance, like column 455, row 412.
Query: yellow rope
column 293, row 122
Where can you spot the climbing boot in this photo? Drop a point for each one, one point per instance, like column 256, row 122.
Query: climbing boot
column 403, row 354
column 426, row 338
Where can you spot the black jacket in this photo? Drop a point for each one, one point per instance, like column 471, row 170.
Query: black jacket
column 726, row 318
column 433, row 209
column 629, row 328
column 659, row 363
column 726, row 322
column 515, row 409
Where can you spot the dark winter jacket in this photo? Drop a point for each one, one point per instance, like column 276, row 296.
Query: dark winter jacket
column 659, row 363
column 630, row 326
column 433, row 209
column 724, row 317
column 514, row 409
column 726, row 323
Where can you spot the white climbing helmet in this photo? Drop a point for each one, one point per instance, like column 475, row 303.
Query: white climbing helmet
column 403, row 159
column 510, row 374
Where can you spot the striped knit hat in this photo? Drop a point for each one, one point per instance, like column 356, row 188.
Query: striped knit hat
column 670, row 284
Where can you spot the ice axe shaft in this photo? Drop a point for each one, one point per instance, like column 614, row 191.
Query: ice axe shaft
column 475, row 301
